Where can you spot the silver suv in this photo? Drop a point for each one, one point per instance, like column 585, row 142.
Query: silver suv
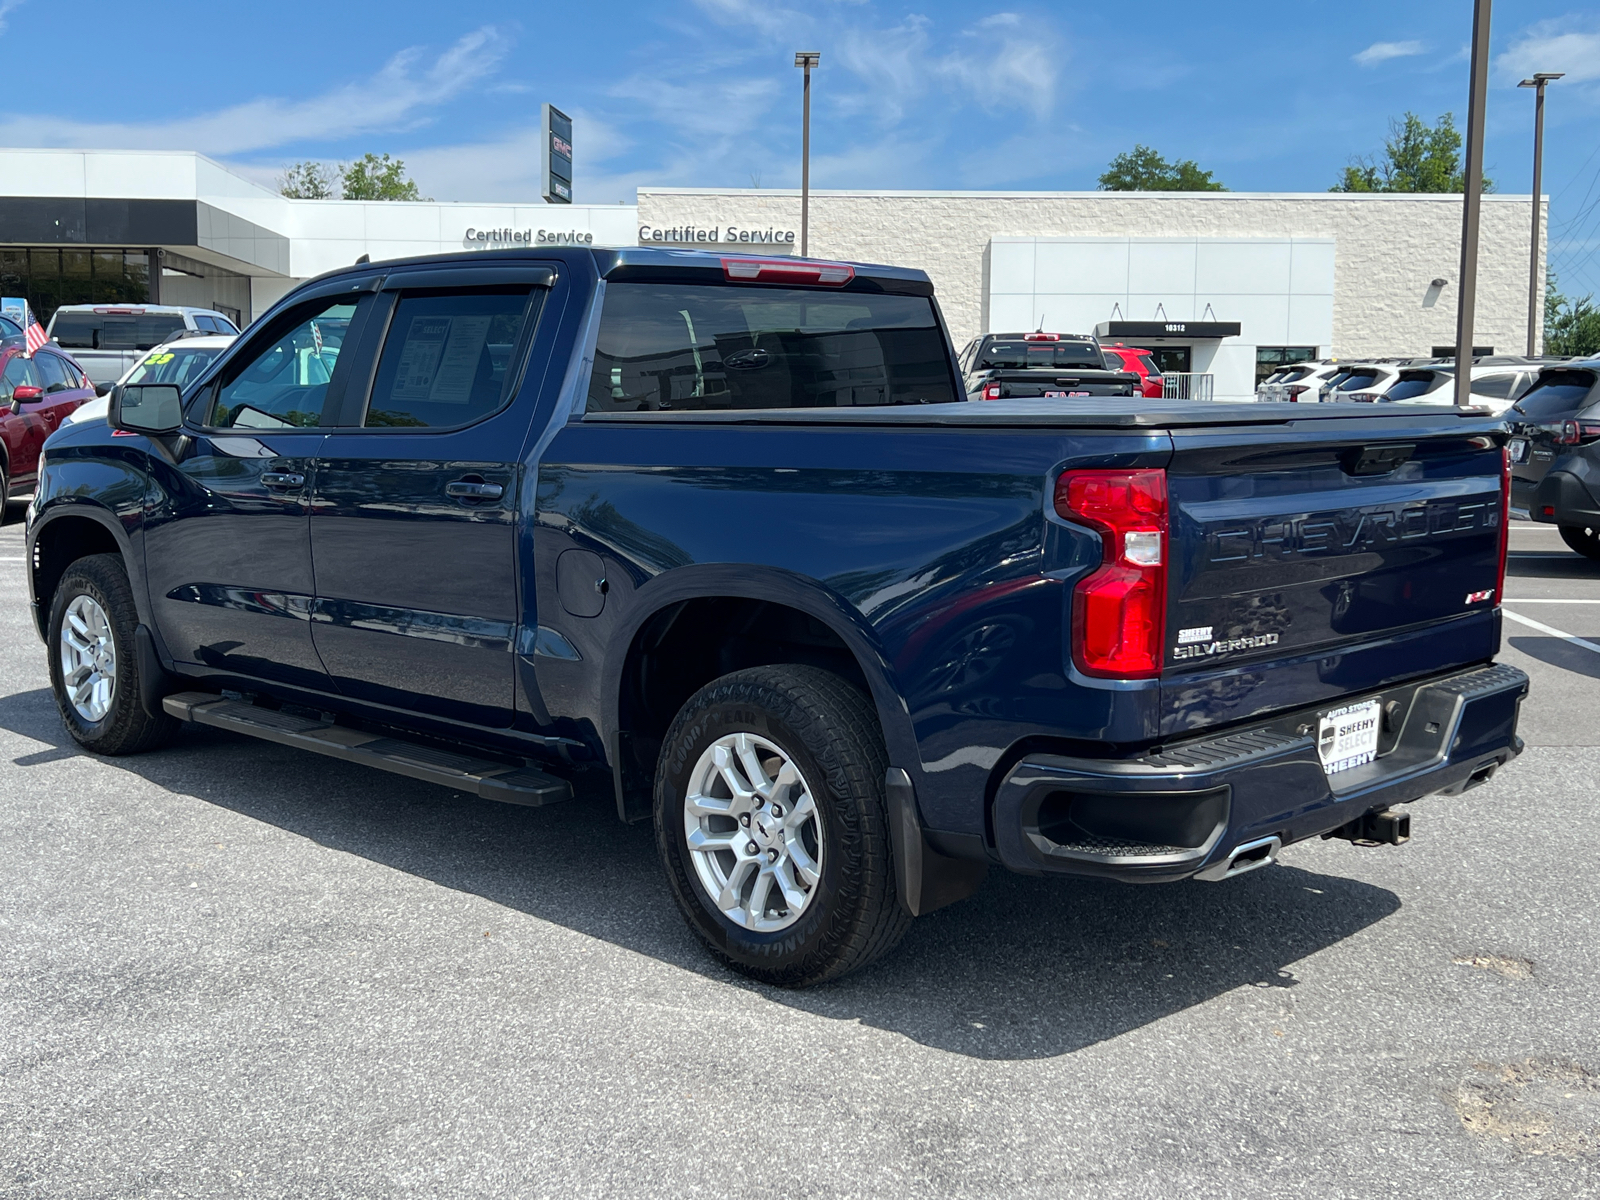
column 107, row 339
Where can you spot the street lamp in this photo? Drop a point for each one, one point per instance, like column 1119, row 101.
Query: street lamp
column 1538, row 82
column 805, row 59
column 1472, row 200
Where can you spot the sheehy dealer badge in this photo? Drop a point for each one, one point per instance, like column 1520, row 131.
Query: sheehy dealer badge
column 1348, row 737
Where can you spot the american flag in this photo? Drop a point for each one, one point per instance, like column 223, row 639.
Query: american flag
column 32, row 330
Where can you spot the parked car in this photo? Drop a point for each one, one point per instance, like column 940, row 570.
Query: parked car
column 1360, row 382
column 1047, row 366
column 847, row 638
column 1296, row 383
column 110, row 338
column 1141, row 362
column 179, row 362
column 10, row 333
column 1555, row 453
column 37, row 392
column 1495, row 383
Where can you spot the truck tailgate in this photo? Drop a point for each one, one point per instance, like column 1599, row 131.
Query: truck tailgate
column 1324, row 559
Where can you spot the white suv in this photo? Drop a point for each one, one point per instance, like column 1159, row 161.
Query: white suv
column 1361, row 382
column 1497, row 383
column 1296, row 383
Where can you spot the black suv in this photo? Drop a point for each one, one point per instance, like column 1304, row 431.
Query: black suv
column 1555, row 453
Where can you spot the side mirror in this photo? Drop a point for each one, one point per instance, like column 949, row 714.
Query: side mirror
column 26, row 394
column 103, row 389
column 150, row 408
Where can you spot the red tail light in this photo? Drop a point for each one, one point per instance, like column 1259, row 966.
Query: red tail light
column 1505, row 523
column 1577, row 433
column 991, row 391
column 786, row 270
column 1119, row 612
column 1293, row 392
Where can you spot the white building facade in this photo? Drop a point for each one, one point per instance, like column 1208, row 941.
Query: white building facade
column 1225, row 284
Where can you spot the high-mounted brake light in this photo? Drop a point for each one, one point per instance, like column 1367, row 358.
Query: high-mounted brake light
column 1119, row 611
column 1041, row 337
column 122, row 312
column 991, row 391
column 787, row 270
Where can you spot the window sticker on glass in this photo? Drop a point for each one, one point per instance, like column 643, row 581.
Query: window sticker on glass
column 440, row 358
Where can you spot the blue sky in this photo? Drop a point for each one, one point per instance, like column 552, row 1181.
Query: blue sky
column 986, row 94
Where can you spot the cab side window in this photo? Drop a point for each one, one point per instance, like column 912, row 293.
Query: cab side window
column 54, row 373
column 19, row 372
column 449, row 357
column 284, row 384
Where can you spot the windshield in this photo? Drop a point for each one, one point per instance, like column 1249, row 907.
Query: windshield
column 181, row 366
column 114, row 331
column 9, row 328
column 1041, row 356
column 707, row 346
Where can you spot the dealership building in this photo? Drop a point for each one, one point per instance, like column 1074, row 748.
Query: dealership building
column 1224, row 284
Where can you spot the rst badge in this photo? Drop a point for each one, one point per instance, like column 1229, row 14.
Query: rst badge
column 1480, row 597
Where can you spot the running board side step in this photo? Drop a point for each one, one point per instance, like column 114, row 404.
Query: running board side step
column 484, row 777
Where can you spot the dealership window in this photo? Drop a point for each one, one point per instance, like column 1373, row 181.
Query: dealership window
column 49, row 278
column 1274, row 358
column 675, row 348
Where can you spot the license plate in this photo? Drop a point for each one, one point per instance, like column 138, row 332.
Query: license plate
column 1348, row 737
column 1519, row 450
column 1049, row 395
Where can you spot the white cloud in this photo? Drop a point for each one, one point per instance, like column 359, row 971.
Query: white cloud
column 397, row 96
column 1380, row 52
column 6, row 8
column 1564, row 44
column 764, row 18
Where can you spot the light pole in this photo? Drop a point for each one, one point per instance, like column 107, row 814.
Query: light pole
column 1472, row 200
column 1538, row 82
column 806, row 59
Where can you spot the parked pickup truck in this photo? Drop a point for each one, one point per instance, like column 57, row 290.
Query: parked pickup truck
column 1047, row 366
column 724, row 534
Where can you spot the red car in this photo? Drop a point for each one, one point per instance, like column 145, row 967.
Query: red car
column 1140, row 363
column 36, row 394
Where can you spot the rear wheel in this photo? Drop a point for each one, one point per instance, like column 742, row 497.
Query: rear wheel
column 1585, row 539
column 94, row 667
column 772, row 825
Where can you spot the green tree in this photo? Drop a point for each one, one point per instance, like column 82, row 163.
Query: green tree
column 308, row 181
column 1417, row 157
column 1143, row 170
column 1570, row 326
column 373, row 178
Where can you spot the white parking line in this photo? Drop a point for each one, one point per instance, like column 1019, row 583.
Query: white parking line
column 1547, row 600
column 1553, row 632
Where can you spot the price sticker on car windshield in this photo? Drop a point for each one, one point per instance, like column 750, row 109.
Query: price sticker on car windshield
column 1348, row 737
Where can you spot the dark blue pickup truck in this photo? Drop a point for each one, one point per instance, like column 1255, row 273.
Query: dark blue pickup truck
column 726, row 534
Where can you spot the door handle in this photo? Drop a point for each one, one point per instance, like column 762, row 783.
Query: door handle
column 474, row 489
column 282, row 479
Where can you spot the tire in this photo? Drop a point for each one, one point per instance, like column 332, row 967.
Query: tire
column 831, row 905
column 1584, row 539
column 93, row 606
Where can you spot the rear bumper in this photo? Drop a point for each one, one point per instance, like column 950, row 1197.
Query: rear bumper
column 1171, row 815
column 1568, row 499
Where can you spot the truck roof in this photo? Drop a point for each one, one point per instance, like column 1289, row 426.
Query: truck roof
column 651, row 263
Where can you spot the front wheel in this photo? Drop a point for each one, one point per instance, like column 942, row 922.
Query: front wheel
column 772, row 825
column 94, row 666
column 1585, row 539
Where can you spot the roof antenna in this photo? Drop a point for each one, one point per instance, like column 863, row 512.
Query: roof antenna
column 1041, row 324
column 365, row 258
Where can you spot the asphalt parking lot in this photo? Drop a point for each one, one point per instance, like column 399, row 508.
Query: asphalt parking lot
column 229, row 969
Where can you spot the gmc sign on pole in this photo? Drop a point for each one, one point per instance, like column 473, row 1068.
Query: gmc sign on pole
column 557, row 165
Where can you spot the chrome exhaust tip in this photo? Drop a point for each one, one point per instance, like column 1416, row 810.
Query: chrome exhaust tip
column 1244, row 858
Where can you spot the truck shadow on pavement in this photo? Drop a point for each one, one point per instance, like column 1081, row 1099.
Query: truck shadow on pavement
column 1026, row 969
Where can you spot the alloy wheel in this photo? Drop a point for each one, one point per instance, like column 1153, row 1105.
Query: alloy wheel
column 754, row 832
column 88, row 658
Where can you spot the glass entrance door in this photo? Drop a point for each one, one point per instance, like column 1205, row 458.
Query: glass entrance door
column 1173, row 359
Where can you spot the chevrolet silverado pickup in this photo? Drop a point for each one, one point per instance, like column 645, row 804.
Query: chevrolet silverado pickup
column 1048, row 366
column 725, row 534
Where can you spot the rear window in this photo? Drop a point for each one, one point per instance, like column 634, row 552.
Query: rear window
column 9, row 328
column 1496, row 387
column 1556, row 394
column 1412, row 384
column 1041, row 356
column 1356, row 380
column 687, row 347
column 114, row 331
column 1294, row 375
